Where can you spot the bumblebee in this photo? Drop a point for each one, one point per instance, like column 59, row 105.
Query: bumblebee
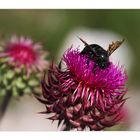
column 99, row 55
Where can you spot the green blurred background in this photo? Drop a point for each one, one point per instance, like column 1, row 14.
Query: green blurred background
column 51, row 26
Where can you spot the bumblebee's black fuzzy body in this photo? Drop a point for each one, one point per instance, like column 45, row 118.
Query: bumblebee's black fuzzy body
column 98, row 54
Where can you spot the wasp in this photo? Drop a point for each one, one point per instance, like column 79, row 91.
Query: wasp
column 99, row 55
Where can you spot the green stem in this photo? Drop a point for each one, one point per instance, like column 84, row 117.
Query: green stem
column 4, row 104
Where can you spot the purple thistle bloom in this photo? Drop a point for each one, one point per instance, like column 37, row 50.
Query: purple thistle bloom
column 22, row 51
column 81, row 95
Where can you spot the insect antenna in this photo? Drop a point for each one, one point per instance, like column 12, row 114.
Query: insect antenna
column 83, row 41
column 87, row 45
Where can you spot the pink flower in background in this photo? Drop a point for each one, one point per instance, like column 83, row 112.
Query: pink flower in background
column 80, row 96
column 21, row 64
column 23, row 51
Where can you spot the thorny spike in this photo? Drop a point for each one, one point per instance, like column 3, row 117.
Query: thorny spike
column 60, row 64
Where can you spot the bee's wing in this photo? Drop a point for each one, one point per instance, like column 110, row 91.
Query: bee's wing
column 112, row 47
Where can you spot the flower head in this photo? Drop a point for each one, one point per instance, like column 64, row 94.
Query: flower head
column 82, row 94
column 23, row 52
column 21, row 64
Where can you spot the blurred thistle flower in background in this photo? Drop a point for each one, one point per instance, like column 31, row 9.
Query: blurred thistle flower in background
column 79, row 98
column 21, row 61
column 23, row 53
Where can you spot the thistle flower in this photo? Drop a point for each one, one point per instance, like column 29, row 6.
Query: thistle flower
column 80, row 96
column 23, row 52
column 21, row 61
